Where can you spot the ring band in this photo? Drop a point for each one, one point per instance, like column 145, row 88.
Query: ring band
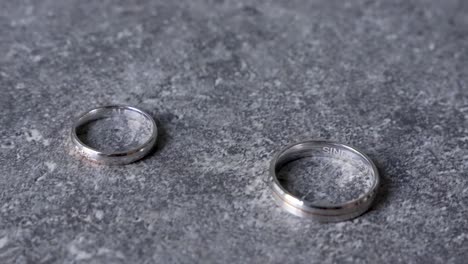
column 323, row 213
column 118, row 157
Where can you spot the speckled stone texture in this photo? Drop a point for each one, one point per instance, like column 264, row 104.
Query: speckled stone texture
column 231, row 83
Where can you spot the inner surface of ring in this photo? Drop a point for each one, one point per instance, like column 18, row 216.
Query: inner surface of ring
column 112, row 130
column 324, row 173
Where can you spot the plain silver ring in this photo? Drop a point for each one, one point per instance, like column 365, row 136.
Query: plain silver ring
column 113, row 158
column 329, row 212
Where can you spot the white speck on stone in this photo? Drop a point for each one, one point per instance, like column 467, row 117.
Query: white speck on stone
column 3, row 241
column 79, row 254
column 42, row 177
column 50, row 165
column 99, row 214
column 131, row 177
column 460, row 238
column 88, row 218
column 37, row 58
column 123, row 34
column 385, row 122
column 226, row 216
column 110, row 252
column 20, row 86
column 34, row 135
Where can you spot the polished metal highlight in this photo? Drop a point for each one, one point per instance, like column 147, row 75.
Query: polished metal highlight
column 317, row 211
column 113, row 158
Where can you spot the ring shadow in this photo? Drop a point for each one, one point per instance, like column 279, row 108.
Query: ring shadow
column 383, row 193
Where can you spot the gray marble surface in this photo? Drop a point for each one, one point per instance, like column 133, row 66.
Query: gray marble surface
column 231, row 82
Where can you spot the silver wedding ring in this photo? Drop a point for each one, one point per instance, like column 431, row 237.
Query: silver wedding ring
column 118, row 157
column 319, row 211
